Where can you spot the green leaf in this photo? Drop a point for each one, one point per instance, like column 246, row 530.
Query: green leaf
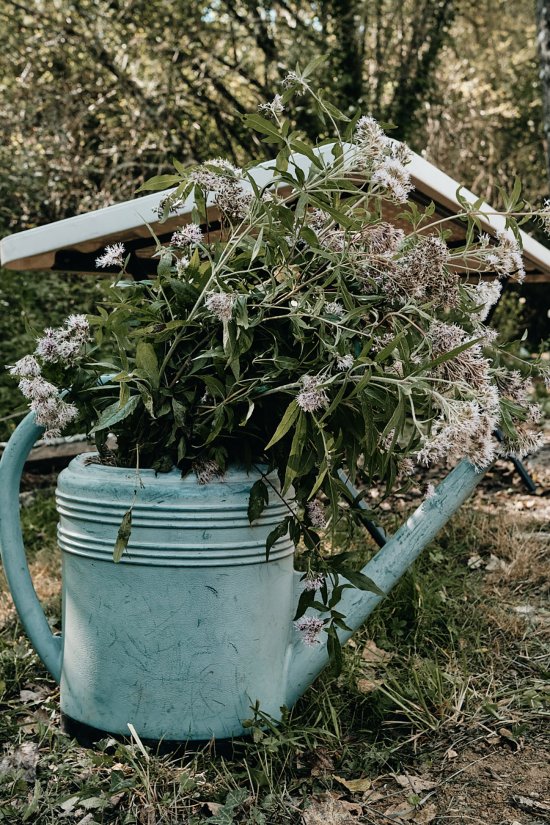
column 447, row 356
column 298, row 443
column 123, row 536
column 277, row 533
column 390, row 346
column 334, row 649
column 257, row 245
column 258, row 500
column 263, row 126
column 147, row 363
column 159, row 182
column 313, row 65
column 361, row 581
column 320, row 478
column 115, row 413
column 180, row 167
column 305, row 149
column 164, row 267
column 336, row 113
column 286, row 422
column 307, row 597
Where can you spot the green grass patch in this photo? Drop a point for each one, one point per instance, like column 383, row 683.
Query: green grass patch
column 430, row 669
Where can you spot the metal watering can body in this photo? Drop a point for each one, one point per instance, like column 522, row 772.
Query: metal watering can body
column 193, row 626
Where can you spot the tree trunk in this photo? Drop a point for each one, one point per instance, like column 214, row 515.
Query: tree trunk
column 543, row 40
column 347, row 52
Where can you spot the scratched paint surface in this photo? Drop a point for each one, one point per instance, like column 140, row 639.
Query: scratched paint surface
column 192, row 626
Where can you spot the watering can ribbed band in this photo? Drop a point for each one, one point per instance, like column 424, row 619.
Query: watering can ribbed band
column 221, row 514
column 175, row 554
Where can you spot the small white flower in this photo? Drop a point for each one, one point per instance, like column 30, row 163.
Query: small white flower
column 344, row 362
column 181, row 266
column 313, row 581
column 392, row 176
column 335, row 308
column 405, row 467
column 188, row 235
column 309, row 627
column 64, row 344
column 273, row 108
column 292, row 79
column 26, row 367
column 487, row 294
column 54, row 414
column 112, row 256
column 544, row 215
column 78, row 324
column 37, row 389
column 312, row 397
column 316, row 514
column 220, row 304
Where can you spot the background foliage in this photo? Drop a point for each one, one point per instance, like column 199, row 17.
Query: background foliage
column 98, row 95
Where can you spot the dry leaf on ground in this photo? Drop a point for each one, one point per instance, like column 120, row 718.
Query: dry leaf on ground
column 24, row 759
column 322, row 763
column 368, row 685
column 374, row 655
column 416, row 784
column 354, row 785
column 425, row 814
column 401, row 811
column 330, row 810
column 213, row 807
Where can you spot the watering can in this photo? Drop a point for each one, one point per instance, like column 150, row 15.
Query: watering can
column 193, row 626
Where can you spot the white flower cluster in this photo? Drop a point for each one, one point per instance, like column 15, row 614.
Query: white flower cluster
column 273, row 108
column 505, row 260
column 49, row 408
column 344, row 362
column 293, row 80
column 230, row 194
column 334, row 308
column 463, row 430
column 486, row 294
column 525, row 443
column 468, row 366
column 316, row 514
column 313, row 581
column 64, row 345
column 309, row 627
column 220, row 304
column 312, row 397
column 181, row 266
column 544, row 216
column 112, row 256
column 385, row 158
column 187, row 236
column 421, row 272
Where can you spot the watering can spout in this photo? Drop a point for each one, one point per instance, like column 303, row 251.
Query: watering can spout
column 385, row 569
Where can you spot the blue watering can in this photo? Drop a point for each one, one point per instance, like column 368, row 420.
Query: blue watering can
column 193, row 626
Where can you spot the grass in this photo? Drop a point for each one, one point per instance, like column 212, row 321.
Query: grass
column 445, row 663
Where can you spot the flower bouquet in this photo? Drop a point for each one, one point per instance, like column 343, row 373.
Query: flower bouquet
column 293, row 327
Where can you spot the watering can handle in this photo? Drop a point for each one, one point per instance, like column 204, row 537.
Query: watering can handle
column 48, row 646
